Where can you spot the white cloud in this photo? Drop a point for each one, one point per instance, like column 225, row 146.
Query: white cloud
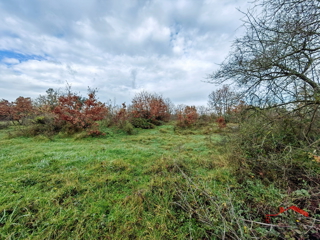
column 172, row 45
column 10, row 60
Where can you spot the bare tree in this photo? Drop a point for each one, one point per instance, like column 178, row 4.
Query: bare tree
column 277, row 61
column 223, row 100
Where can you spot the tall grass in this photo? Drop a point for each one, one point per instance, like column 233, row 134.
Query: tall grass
column 155, row 184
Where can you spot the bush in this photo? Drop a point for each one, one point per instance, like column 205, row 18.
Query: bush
column 128, row 128
column 141, row 123
column 151, row 107
column 120, row 116
column 187, row 116
column 95, row 133
column 221, row 122
column 78, row 114
column 270, row 146
column 17, row 111
column 4, row 125
column 41, row 125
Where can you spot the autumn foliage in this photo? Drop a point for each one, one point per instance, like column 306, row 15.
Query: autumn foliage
column 16, row 111
column 187, row 116
column 79, row 114
column 151, row 107
column 121, row 116
column 6, row 110
column 221, row 122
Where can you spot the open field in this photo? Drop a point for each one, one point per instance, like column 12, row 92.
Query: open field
column 155, row 184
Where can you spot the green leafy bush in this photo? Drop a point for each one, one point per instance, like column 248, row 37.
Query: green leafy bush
column 141, row 123
column 128, row 128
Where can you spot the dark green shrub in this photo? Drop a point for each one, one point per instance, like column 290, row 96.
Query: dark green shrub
column 141, row 123
column 156, row 122
column 40, row 125
column 40, row 120
column 128, row 128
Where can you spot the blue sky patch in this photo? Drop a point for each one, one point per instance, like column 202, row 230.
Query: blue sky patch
column 21, row 57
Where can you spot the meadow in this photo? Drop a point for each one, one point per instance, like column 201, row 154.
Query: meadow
column 159, row 183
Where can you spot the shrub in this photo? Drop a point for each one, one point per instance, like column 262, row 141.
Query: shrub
column 128, row 128
column 121, row 116
column 41, row 125
column 95, row 133
column 221, row 122
column 78, row 114
column 48, row 102
column 270, row 146
column 6, row 110
column 22, row 108
column 16, row 111
column 151, row 107
column 141, row 123
column 4, row 125
column 187, row 116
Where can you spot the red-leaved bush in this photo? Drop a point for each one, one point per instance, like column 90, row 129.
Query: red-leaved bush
column 221, row 122
column 95, row 133
column 151, row 107
column 18, row 110
column 187, row 116
column 79, row 114
column 6, row 110
column 121, row 116
column 23, row 108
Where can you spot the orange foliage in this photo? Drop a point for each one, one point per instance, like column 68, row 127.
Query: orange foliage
column 23, row 108
column 6, row 110
column 187, row 116
column 121, row 116
column 80, row 114
column 17, row 110
column 221, row 122
column 150, row 106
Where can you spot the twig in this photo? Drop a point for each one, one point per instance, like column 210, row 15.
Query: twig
column 317, row 220
column 314, row 142
column 266, row 224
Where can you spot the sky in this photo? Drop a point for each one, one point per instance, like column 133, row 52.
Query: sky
column 120, row 47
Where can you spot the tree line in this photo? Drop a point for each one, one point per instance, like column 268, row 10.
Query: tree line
column 70, row 112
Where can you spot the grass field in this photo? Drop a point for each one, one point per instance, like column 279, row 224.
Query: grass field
column 155, row 184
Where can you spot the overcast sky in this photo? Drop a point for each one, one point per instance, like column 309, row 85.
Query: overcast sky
column 120, row 47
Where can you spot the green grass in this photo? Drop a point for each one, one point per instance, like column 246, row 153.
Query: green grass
column 155, row 184
column 94, row 188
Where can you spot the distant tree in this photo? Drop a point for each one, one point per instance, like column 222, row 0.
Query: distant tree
column 223, row 100
column 202, row 110
column 48, row 102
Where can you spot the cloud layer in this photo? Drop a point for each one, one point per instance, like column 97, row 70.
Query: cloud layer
column 120, row 47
